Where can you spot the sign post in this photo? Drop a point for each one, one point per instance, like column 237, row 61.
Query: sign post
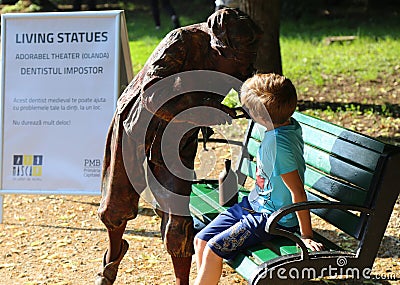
column 61, row 76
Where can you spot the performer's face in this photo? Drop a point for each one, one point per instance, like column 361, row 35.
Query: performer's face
column 237, row 67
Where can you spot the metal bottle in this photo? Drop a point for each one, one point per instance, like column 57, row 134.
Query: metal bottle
column 228, row 185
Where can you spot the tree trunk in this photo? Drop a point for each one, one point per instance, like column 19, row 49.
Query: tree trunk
column 266, row 13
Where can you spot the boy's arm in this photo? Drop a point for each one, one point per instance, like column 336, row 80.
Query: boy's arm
column 293, row 182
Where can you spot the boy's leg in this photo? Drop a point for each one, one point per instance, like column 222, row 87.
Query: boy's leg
column 224, row 245
column 230, row 232
column 221, row 223
column 210, row 269
column 199, row 246
column 209, row 264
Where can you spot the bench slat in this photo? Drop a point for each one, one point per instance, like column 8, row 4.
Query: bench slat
column 339, row 147
column 210, row 195
column 257, row 132
column 248, row 168
column 202, row 210
column 338, row 131
column 333, row 188
column 243, row 265
column 343, row 220
column 281, row 246
column 338, row 168
column 253, row 146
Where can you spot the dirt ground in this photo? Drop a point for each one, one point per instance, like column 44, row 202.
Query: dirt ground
column 59, row 239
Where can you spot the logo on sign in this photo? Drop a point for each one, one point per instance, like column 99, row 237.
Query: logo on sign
column 91, row 167
column 27, row 165
column 92, row 162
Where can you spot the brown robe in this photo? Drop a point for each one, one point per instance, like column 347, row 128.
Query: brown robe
column 142, row 125
column 135, row 133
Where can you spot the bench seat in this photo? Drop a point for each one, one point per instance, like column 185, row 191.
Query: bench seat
column 351, row 183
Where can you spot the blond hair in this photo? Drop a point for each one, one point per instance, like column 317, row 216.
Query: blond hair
column 270, row 93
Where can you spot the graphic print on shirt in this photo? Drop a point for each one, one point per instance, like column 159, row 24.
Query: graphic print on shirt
column 264, row 188
column 263, row 183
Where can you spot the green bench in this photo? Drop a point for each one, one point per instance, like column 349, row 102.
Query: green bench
column 351, row 182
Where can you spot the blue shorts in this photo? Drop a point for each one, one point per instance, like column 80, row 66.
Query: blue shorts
column 236, row 229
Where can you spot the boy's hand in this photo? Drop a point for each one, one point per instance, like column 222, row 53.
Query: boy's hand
column 313, row 245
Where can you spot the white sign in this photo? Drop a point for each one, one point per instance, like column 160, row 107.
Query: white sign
column 61, row 76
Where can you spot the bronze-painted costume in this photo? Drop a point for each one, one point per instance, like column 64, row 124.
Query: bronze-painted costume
column 138, row 115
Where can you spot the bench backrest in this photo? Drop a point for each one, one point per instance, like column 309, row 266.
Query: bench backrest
column 342, row 166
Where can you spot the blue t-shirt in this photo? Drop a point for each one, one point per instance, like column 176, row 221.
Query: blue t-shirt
column 281, row 151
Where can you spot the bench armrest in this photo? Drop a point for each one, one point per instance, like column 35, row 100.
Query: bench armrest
column 273, row 220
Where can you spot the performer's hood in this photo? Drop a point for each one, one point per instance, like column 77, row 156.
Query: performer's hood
column 235, row 30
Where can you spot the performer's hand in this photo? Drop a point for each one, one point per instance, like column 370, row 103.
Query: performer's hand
column 203, row 117
column 215, row 116
column 224, row 115
column 230, row 111
column 214, row 113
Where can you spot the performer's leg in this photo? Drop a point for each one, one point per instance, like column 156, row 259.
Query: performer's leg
column 181, row 269
column 119, row 202
column 178, row 237
column 177, row 230
column 115, row 222
column 117, row 247
column 170, row 178
column 114, row 243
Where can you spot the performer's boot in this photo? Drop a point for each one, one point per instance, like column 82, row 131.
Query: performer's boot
column 108, row 272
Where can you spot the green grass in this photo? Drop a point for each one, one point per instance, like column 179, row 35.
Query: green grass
column 315, row 68
column 363, row 58
column 305, row 56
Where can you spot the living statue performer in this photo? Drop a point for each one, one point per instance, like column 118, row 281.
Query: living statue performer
column 226, row 43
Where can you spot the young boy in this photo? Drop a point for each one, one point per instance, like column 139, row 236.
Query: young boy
column 271, row 100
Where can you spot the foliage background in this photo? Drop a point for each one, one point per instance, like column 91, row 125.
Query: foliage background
column 59, row 240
